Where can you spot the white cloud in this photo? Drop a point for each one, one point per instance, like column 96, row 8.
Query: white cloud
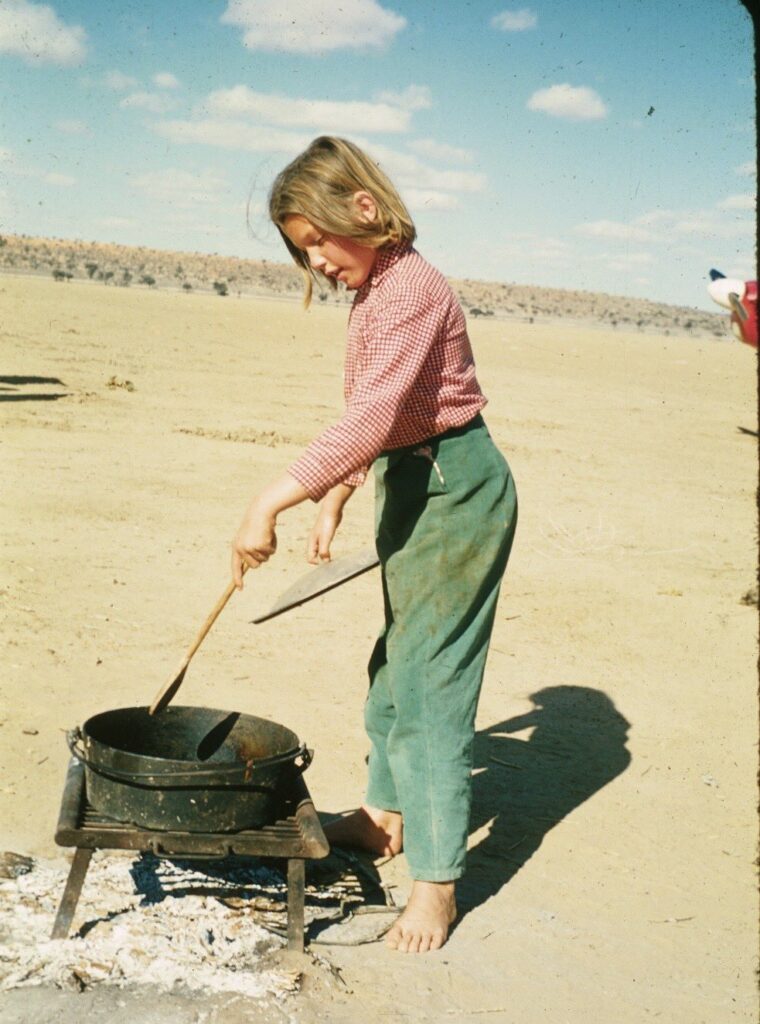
column 180, row 187
column 420, row 199
column 428, row 187
column 515, row 21
column 166, row 80
column 625, row 260
column 748, row 170
column 35, row 33
column 115, row 222
column 746, row 201
column 654, row 217
column 53, row 178
column 441, row 152
column 207, row 219
column 118, row 81
column 713, row 223
column 232, row 134
column 669, row 226
column 150, row 101
column 576, row 103
column 414, row 97
column 707, row 225
column 322, row 115
column 71, row 127
column 11, row 166
column 408, row 171
column 632, row 232
column 298, row 27
column 536, row 254
column 551, row 250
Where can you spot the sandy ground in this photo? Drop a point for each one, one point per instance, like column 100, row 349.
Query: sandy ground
column 611, row 873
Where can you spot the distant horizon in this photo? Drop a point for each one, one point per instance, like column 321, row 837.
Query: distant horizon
column 712, row 310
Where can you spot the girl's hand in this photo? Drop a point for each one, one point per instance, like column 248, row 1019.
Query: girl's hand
column 328, row 521
column 255, row 543
column 322, row 533
column 256, row 540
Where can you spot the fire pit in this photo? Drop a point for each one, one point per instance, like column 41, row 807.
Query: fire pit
column 293, row 833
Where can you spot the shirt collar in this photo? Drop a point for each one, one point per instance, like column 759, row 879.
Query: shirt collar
column 387, row 257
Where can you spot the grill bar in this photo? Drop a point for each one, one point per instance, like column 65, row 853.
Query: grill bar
column 296, row 836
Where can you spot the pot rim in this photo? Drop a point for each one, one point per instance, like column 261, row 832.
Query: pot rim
column 121, row 758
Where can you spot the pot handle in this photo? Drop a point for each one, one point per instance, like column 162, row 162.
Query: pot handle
column 307, row 756
column 74, row 736
column 303, row 752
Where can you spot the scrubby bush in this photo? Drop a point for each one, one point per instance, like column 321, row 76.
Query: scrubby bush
column 220, row 287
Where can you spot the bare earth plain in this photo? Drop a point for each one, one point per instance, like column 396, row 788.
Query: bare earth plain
column 611, row 869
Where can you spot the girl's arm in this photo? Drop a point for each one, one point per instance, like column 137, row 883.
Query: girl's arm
column 256, row 539
column 397, row 345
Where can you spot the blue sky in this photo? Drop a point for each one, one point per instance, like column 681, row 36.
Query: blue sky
column 593, row 144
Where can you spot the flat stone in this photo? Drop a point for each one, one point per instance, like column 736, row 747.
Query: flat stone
column 14, row 864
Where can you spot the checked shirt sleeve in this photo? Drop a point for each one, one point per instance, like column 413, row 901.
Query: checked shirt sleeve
column 399, row 339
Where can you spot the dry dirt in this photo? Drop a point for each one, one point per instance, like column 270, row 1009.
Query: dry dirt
column 611, row 873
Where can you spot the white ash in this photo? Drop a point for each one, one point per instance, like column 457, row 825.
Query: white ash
column 143, row 921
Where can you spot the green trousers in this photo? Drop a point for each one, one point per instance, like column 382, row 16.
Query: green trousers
column 446, row 512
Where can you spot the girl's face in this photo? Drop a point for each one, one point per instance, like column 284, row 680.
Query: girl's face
column 333, row 255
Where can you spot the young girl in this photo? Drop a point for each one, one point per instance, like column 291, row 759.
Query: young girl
column 445, row 515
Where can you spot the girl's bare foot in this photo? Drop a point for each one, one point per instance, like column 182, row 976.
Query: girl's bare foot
column 424, row 924
column 368, row 828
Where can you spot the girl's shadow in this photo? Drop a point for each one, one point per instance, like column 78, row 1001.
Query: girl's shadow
column 524, row 787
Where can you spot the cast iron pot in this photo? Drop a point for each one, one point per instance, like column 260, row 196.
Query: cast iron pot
column 187, row 769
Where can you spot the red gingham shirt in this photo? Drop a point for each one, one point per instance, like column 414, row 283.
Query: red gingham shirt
column 409, row 372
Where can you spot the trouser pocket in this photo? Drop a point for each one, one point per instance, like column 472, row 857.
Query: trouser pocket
column 426, row 452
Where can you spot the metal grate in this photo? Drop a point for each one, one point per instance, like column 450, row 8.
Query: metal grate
column 296, row 836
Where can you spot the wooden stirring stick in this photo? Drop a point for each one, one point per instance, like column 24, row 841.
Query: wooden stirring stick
column 166, row 694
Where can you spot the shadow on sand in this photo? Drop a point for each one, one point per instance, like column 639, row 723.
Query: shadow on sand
column 524, row 787
column 10, row 384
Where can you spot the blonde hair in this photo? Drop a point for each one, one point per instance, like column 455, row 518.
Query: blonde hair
column 320, row 185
